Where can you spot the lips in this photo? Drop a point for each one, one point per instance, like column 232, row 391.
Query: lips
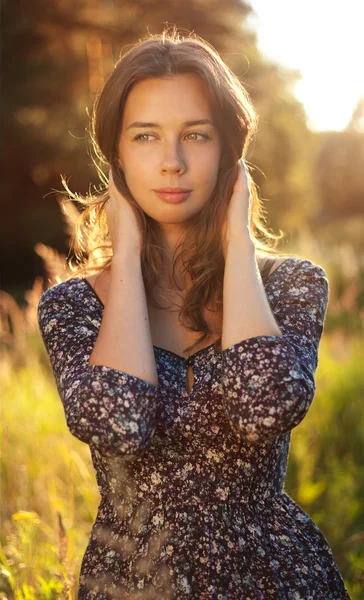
column 173, row 190
column 173, row 195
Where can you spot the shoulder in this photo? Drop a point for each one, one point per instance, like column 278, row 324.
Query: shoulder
column 299, row 280
column 296, row 268
column 290, row 266
column 65, row 294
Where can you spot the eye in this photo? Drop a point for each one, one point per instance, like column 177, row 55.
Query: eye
column 203, row 135
column 142, row 135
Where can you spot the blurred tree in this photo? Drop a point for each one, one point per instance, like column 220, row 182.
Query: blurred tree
column 57, row 55
column 339, row 172
column 356, row 122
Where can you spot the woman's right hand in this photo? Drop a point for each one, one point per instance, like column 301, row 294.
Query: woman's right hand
column 124, row 229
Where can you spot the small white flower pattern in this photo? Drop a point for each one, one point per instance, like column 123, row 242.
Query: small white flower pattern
column 192, row 484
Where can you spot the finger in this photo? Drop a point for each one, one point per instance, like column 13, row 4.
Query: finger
column 247, row 174
column 244, row 167
column 242, row 181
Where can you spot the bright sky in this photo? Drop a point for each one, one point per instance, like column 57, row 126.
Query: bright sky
column 324, row 39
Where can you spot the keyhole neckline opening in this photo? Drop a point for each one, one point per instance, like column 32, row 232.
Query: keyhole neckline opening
column 189, row 371
column 190, row 359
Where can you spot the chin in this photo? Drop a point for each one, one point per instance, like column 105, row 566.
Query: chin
column 172, row 221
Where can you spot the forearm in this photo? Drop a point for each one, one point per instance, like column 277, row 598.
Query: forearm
column 246, row 311
column 124, row 340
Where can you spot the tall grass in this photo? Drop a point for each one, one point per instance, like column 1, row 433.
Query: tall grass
column 48, row 483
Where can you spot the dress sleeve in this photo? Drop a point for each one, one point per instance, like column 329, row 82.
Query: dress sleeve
column 268, row 381
column 105, row 407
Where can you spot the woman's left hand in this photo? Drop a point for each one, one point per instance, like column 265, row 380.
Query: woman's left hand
column 237, row 221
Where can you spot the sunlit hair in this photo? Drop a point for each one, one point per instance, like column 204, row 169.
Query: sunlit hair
column 200, row 253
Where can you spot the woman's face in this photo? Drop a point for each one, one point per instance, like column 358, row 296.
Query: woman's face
column 168, row 140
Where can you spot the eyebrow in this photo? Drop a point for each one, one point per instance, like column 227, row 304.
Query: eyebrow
column 185, row 124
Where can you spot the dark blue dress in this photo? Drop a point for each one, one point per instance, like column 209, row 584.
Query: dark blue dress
column 192, row 484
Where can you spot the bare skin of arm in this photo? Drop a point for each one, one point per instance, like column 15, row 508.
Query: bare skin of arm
column 124, row 341
column 247, row 312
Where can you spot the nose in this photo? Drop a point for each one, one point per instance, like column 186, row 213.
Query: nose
column 172, row 159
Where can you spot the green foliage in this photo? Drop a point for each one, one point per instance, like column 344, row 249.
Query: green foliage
column 45, row 591
column 325, row 472
column 48, row 480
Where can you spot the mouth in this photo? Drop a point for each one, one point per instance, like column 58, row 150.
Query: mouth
column 173, row 195
column 173, row 190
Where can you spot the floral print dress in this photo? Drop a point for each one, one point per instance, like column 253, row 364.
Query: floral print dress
column 192, row 483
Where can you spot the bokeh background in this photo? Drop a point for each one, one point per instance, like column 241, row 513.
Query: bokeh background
column 56, row 55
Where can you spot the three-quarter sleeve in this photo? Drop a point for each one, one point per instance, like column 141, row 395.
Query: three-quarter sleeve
column 268, row 381
column 103, row 406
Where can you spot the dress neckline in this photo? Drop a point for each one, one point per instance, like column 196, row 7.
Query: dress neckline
column 190, row 358
column 154, row 346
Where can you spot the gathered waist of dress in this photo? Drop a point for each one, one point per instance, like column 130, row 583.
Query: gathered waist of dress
column 191, row 481
column 174, row 491
column 217, row 498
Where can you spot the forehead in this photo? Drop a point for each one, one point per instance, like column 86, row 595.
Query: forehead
column 168, row 97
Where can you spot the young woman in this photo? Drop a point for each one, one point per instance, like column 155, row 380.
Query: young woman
column 183, row 354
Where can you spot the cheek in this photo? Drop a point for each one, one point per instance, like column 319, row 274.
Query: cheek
column 209, row 177
column 136, row 179
column 135, row 173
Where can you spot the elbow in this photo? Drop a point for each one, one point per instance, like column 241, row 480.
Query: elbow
column 79, row 427
column 116, row 413
column 272, row 412
column 123, row 439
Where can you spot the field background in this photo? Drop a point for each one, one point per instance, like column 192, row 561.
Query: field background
column 56, row 57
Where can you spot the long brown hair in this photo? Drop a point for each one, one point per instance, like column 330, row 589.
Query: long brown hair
column 200, row 253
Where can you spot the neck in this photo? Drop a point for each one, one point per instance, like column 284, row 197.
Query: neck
column 170, row 237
